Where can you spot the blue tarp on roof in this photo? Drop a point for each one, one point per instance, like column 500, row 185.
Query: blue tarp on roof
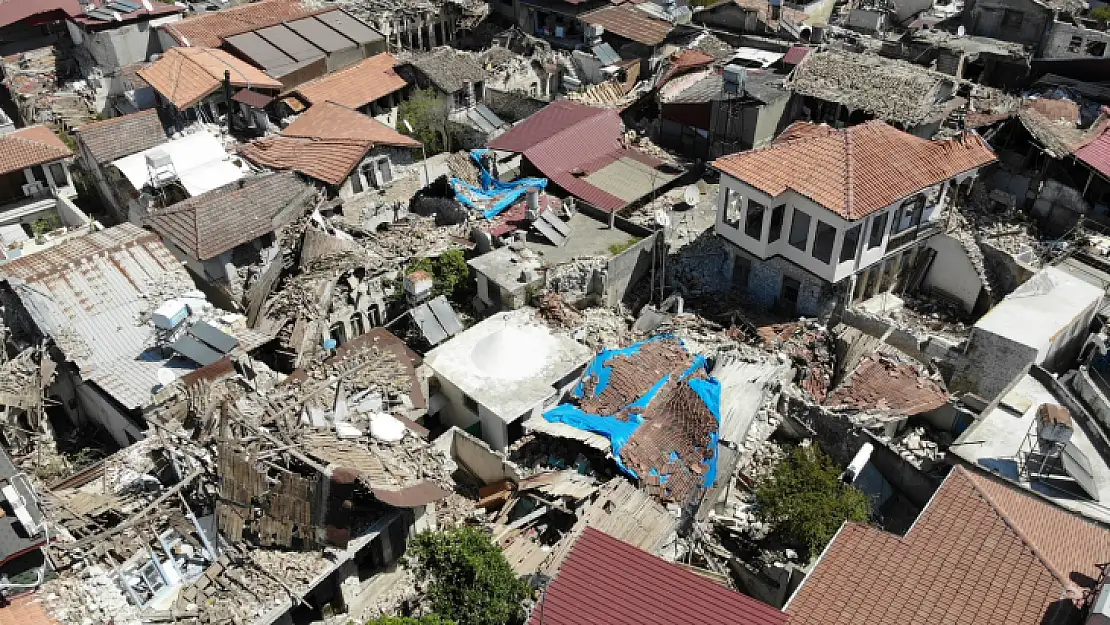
column 619, row 430
column 493, row 196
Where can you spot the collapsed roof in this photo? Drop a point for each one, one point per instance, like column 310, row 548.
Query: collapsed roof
column 891, row 90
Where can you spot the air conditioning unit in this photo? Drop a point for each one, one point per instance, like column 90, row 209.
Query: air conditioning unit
column 33, row 189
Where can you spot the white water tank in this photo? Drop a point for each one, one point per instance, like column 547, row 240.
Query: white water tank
column 170, row 314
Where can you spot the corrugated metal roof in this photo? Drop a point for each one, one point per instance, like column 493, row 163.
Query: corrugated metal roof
column 88, row 294
column 604, row 580
column 290, row 43
column 260, row 52
column 321, row 35
column 631, row 23
column 350, row 27
column 1097, row 153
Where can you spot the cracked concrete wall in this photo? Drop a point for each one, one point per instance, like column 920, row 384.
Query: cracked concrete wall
column 990, row 365
column 1059, row 206
column 1006, row 273
column 1020, row 21
column 1071, row 41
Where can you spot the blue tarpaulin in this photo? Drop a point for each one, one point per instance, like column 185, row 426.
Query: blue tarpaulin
column 620, row 429
column 493, row 196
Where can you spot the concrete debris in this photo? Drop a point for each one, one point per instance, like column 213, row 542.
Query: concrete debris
column 811, row 346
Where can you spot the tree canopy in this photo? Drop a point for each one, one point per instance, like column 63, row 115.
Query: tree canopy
column 806, row 500
column 427, row 112
column 468, row 579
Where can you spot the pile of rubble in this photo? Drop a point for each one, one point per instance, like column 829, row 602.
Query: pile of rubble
column 812, row 348
column 921, row 447
column 573, row 280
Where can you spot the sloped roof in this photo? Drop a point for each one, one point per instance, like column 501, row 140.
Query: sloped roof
column 30, row 146
column 157, row 9
column 357, row 85
column 449, row 69
column 210, row 29
column 604, row 580
column 631, row 23
column 12, row 11
column 118, row 137
column 980, row 552
column 185, row 76
column 329, row 161
column 333, row 121
column 881, row 383
column 88, row 294
column 568, row 141
column 1097, row 153
column 854, row 171
column 325, row 143
column 212, row 223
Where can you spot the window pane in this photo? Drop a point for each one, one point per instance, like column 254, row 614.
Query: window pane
column 823, row 242
column 732, row 208
column 878, row 230
column 851, row 243
column 777, row 215
column 753, row 225
column 799, row 230
column 58, row 173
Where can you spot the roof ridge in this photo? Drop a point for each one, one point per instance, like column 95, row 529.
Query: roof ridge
column 32, row 142
column 849, row 171
column 1066, row 583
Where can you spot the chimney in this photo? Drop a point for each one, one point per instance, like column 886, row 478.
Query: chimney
column 534, row 199
column 230, row 103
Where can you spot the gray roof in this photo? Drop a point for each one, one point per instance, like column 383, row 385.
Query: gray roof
column 449, row 69
column 763, row 86
column 212, row 223
column 89, row 293
column 118, row 137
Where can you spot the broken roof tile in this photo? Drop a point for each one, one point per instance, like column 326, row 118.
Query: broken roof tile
column 631, row 23
column 902, row 386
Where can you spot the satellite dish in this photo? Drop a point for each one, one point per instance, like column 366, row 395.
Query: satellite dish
column 165, row 377
column 961, row 31
column 691, row 195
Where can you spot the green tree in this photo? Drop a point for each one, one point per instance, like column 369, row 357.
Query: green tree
column 807, row 502
column 427, row 113
column 450, row 273
column 1101, row 13
column 427, row 619
column 468, row 579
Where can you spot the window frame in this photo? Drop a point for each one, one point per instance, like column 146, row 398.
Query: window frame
column 759, row 210
column 793, row 228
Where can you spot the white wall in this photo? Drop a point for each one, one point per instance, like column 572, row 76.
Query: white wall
column 97, row 408
column 952, row 272
column 834, row 271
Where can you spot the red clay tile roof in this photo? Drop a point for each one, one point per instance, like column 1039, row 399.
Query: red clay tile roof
column 325, row 143
column 212, row 223
column 605, row 580
column 357, row 85
column 118, row 137
column 1097, row 153
column 981, row 552
column 185, row 76
column 26, row 610
column 884, row 384
column 858, row 170
column 332, row 121
column 631, row 23
column 210, row 30
column 682, row 62
column 30, row 146
column 329, row 161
